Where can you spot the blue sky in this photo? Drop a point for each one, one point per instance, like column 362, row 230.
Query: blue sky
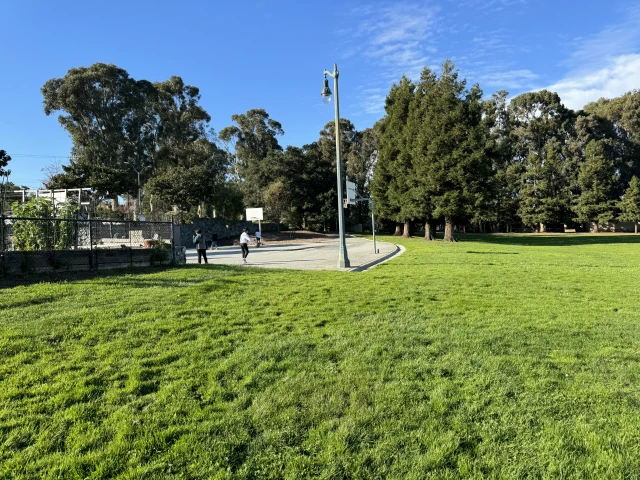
column 271, row 54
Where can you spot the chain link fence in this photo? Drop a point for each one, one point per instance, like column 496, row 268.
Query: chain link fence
column 46, row 244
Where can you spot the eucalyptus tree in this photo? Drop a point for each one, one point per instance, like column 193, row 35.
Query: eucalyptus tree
column 181, row 123
column 4, row 181
column 623, row 113
column 317, row 187
column 96, row 105
column 253, row 144
column 327, row 142
column 4, row 162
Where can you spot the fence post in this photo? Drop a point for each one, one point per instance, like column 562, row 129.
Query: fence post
column 55, row 231
column 130, row 246
column 173, row 245
column 2, row 244
column 90, row 246
column 97, row 250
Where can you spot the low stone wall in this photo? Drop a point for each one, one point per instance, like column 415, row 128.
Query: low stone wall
column 180, row 255
column 619, row 227
column 81, row 259
column 227, row 231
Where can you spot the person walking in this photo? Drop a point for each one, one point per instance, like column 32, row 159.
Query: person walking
column 245, row 239
column 258, row 238
column 201, row 245
column 214, row 241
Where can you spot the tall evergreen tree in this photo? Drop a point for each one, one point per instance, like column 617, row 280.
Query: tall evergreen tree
column 424, row 186
column 540, row 123
column 597, row 182
column 454, row 137
column 630, row 204
column 502, row 208
column 391, row 184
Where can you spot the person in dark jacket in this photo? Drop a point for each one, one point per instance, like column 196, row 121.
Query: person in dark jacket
column 201, row 245
column 214, row 241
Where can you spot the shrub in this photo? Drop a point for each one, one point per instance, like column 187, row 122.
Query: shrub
column 43, row 233
column 160, row 252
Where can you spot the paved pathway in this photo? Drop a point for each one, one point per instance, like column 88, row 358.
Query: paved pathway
column 304, row 256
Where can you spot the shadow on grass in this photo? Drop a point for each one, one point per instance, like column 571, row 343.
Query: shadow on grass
column 557, row 240
column 493, row 253
column 533, row 239
column 15, row 280
column 111, row 276
column 125, row 277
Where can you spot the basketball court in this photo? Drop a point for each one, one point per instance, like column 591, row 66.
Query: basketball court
column 304, row 256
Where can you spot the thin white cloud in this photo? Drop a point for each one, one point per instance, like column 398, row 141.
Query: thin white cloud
column 621, row 75
column 489, row 5
column 514, row 79
column 397, row 38
column 605, row 64
column 604, row 46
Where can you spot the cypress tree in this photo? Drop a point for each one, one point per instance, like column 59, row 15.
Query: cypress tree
column 630, row 204
column 391, row 183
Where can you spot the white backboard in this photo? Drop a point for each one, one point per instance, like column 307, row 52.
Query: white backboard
column 254, row 214
column 351, row 192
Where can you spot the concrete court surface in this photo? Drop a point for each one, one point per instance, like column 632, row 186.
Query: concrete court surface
column 304, row 256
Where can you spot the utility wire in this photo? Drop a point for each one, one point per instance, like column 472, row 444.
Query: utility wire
column 27, row 155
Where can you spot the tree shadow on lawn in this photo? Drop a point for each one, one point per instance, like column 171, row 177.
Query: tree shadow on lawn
column 557, row 240
column 131, row 277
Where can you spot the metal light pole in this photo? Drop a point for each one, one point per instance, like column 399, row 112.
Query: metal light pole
column 139, row 206
column 373, row 225
column 343, row 259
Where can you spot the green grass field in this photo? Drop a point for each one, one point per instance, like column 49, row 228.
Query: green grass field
column 496, row 357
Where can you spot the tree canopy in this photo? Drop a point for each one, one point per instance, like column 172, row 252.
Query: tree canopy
column 441, row 154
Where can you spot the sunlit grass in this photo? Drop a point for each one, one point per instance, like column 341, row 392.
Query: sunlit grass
column 499, row 356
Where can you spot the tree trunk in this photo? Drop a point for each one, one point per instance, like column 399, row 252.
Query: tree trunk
column 202, row 210
column 429, row 231
column 407, row 229
column 151, row 205
column 543, row 228
column 635, row 227
column 114, row 204
column 448, row 229
column 595, row 227
column 398, row 231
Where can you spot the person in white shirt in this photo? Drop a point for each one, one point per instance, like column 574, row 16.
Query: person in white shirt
column 244, row 240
